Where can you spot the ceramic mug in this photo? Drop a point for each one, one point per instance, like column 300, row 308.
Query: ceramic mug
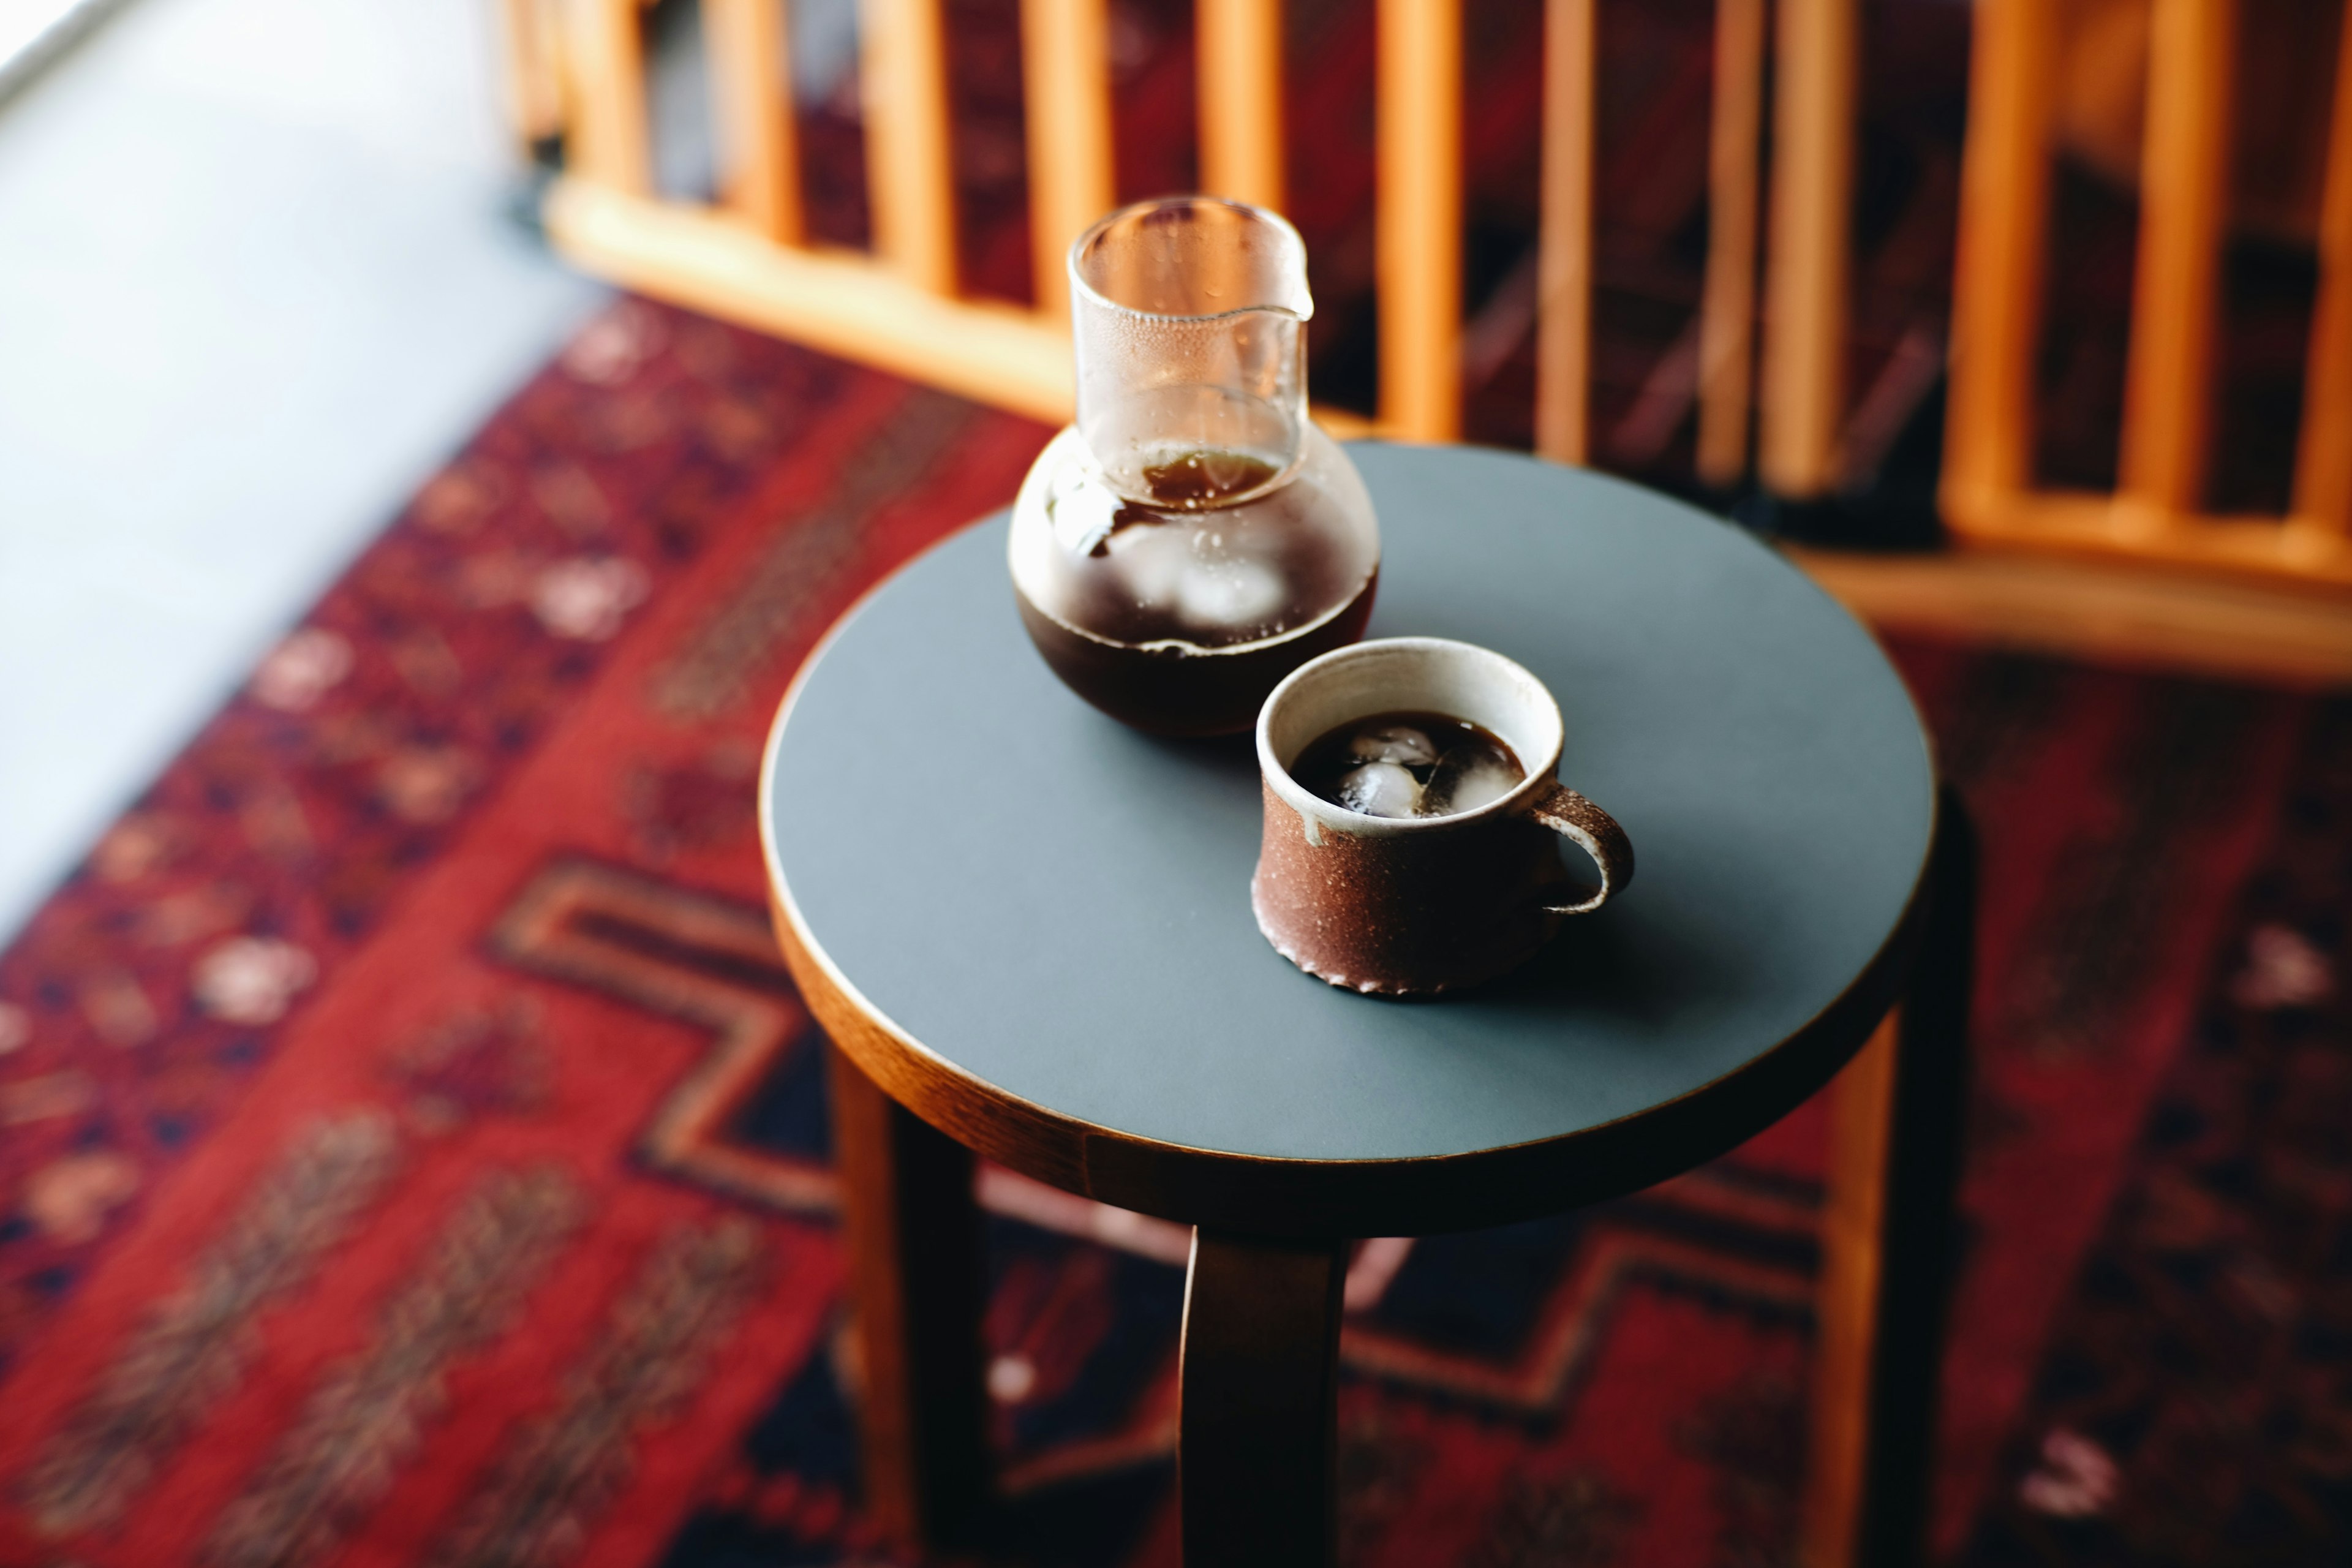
column 1394, row 906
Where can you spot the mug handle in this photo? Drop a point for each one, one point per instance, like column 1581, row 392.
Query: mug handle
column 1595, row 832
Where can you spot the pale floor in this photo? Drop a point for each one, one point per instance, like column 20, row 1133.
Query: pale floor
column 256, row 280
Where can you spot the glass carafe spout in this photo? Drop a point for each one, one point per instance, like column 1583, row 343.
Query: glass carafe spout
column 1192, row 367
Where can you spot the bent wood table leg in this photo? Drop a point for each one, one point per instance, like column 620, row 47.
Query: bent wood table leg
column 1889, row 1243
column 916, row 1287
column 1260, row 1377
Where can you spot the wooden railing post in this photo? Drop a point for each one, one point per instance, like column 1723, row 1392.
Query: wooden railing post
column 2323, row 478
column 1997, row 280
column 909, row 167
column 611, row 145
column 1240, row 65
column 1812, row 185
column 534, row 69
column 759, row 141
column 2184, row 203
column 1726, row 335
column 1066, row 78
column 1419, row 221
column 1564, row 260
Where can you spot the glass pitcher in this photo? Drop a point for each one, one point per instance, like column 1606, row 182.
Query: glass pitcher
column 1193, row 538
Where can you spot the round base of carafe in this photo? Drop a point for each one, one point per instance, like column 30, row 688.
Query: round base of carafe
column 1165, row 693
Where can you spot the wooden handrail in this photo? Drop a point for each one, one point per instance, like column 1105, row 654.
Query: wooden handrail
column 751, row 94
column 1564, row 255
column 835, row 301
column 1727, row 337
column 1419, row 217
column 1066, row 78
column 1240, row 57
column 2184, row 203
column 1812, row 185
column 2323, row 480
column 909, row 161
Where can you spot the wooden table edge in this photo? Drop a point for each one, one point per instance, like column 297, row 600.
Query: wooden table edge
column 1411, row 1196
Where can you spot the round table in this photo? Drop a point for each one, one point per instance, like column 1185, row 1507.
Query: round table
column 1030, row 927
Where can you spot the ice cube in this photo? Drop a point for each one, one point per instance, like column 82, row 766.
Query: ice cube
column 1466, row 778
column 1394, row 743
column 1150, row 564
column 1082, row 514
column 1229, row 594
column 1380, row 789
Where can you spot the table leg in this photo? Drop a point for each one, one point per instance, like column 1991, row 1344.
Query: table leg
column 1261, row 1367
column 1889, row 1243
column 917, row 1285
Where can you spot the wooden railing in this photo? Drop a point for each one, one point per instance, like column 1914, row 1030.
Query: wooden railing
column 2157, row 508
column 577, row 68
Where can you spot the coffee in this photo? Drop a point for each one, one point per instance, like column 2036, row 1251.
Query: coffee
column 1192, row 481
column 1173, row 688
column 1180, row 613
column 1409, row 765
column 1205, row 477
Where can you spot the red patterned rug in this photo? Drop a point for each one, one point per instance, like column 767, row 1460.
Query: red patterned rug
column 415, row 1155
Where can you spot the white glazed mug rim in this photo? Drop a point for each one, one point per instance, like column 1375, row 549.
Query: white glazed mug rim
column 1542, row 768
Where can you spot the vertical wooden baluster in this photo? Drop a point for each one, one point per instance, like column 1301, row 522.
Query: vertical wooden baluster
column 612, row 144
column 1240, row 65
column 1997, row 279
column 1065, row 64
column 1726, row 325
column 2184, row 205
column 1420, row 218
column 2323, row 478
column 751, row 98
column 1564, row 262
column 909, row 164
column 534, row 80
column 1812, row 185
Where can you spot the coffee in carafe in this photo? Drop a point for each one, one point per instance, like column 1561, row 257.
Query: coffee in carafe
column 1194, row 537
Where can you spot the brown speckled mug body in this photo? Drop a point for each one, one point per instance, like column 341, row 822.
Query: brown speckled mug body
column 1395, row 907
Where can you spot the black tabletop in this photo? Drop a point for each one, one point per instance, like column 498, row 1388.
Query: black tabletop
column 1060, row 908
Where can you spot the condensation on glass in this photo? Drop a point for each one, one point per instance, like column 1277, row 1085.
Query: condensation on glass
column 1194, row 537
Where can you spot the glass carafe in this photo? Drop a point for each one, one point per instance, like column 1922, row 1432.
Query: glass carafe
column 1193, row 538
